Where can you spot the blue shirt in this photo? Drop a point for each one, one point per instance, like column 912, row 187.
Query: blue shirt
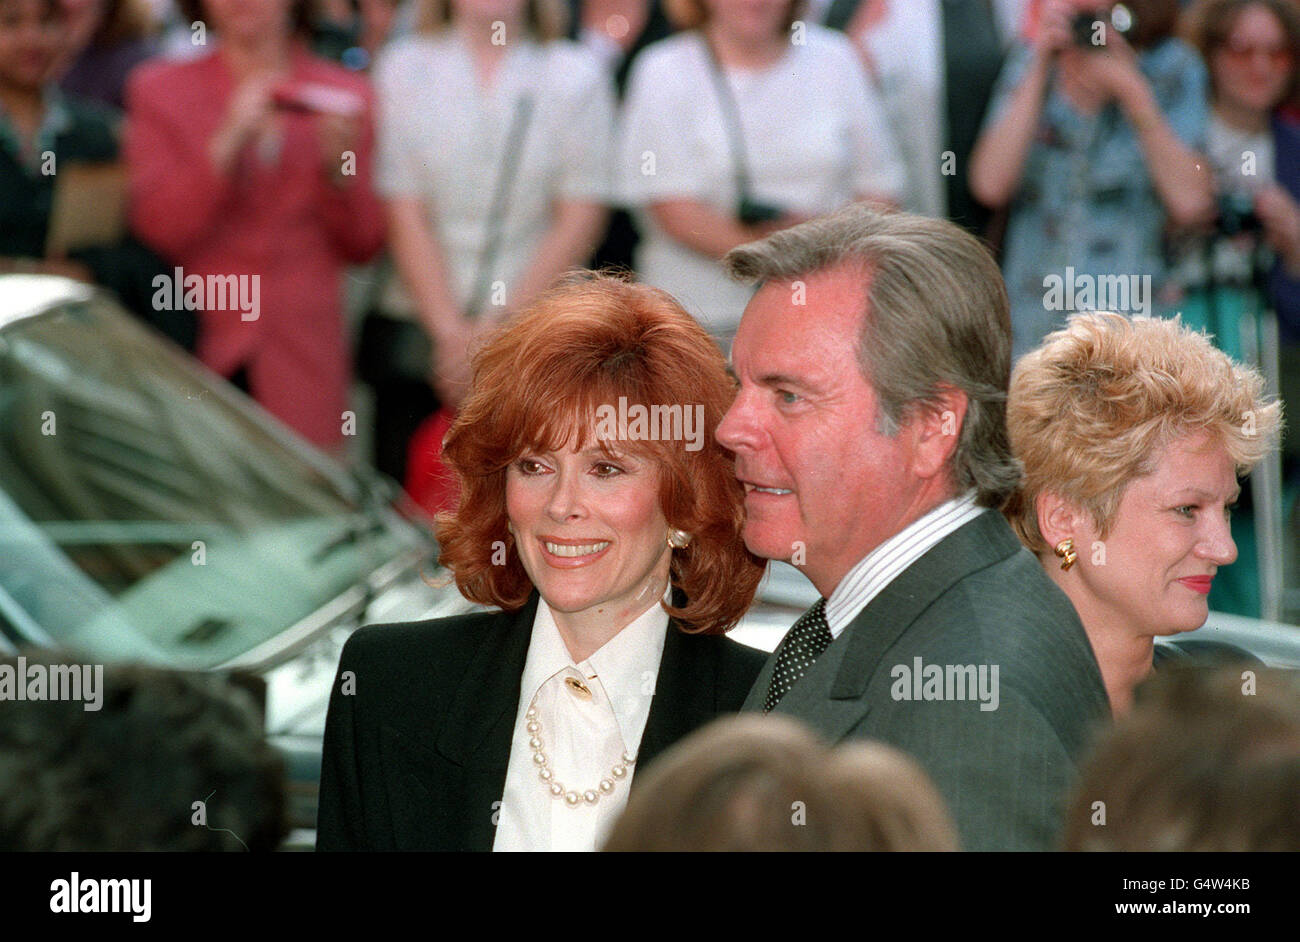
column 1086, row 199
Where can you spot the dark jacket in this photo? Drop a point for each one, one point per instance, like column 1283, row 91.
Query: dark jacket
column 416, row 757
column 975, row 600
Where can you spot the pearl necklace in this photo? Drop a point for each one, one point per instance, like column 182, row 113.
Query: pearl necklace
column 572, row 799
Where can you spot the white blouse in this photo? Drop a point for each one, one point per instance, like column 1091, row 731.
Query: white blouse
column 815, row 137
column 442, row 139
column 583, row 738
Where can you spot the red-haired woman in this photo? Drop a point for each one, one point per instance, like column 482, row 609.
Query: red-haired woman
column 602, row 520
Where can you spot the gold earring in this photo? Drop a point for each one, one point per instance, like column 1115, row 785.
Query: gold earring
column 1065, row 550
column 678, row 539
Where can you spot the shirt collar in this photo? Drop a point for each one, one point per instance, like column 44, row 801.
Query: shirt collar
column 626, row 666
column 878, row 568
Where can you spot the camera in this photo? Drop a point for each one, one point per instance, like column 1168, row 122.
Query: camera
column 752, row 212
column 1237, row 215
column 1084, row 26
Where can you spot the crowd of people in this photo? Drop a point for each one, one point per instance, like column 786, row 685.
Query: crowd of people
column 471, row 151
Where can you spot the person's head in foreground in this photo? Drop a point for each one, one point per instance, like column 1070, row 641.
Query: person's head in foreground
column 161, row 761
column 1207, row 760
column 873, row 364
column 1133, row 434
column 588, row 469
column 751, row 783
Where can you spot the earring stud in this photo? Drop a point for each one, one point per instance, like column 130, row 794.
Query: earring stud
column 678, row 539
column 1065, row 550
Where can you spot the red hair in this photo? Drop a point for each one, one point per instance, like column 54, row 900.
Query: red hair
column 537, row 386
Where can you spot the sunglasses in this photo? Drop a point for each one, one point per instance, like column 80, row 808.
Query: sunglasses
column 1278, row 56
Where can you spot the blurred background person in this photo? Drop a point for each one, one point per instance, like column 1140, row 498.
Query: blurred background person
column 494, row 160
column 1206, row 761
column 46, row 135
column 615, row 566
column 255, row 160
column 1252, row 48
column 1094, row 149
column 766, row 783
column 935, row 63
column 125, row 776
column 1133, row 434
column 744, row 123
column 107, row 39
column 351, row 32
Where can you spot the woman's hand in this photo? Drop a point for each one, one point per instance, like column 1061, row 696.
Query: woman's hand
column 248, row 116
column 1281, row 219
column 336, row 134
column 1054, row 28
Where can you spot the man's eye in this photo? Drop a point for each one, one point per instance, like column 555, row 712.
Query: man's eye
column 787, row 397
column 1187, row 510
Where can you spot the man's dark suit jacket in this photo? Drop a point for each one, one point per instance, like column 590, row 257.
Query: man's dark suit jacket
column 977, row 597
column 416, row 758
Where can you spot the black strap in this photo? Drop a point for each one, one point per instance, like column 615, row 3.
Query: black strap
column 500, row 201
column 731, row 119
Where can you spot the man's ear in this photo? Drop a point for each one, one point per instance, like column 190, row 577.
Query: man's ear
column 1059, row 518
column 935, row 431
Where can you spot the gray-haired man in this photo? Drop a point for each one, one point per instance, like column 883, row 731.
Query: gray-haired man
column 869, row 432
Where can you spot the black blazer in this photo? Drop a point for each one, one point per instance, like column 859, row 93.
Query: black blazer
column 415, row 758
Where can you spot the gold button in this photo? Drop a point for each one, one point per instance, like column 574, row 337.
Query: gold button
column 578, row 688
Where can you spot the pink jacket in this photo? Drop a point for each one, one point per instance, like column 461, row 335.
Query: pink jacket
column 277, row 216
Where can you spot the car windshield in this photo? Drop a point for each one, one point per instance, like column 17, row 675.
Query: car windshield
column 147, row 511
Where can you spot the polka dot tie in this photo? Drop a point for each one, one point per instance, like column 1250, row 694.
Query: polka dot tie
column 805, row 642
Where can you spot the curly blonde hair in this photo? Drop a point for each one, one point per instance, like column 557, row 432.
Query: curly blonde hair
column 1095, row 405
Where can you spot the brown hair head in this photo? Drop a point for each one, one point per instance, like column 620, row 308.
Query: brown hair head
column 540, row 383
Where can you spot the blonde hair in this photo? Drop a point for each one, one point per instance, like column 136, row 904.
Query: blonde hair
column 1094, row 406
column 546, row 19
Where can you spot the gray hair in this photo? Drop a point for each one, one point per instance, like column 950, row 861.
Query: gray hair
column 936, row 315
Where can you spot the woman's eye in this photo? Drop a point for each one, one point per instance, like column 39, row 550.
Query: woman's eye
column 528, row 466
column 606, row 470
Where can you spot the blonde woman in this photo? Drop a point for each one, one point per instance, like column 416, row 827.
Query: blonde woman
column 1133, row 434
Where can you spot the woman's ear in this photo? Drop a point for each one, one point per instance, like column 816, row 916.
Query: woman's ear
column 1059, row 518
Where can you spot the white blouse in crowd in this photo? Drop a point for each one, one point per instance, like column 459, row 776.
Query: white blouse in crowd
column 583, row 737
column 815, row 136
column 442, row 138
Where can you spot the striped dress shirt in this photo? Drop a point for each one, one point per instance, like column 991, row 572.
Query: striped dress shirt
column 882, row 565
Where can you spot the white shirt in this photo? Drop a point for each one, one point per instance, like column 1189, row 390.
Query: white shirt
column 442, row 139
column 582, row 739
column 815, row 139
column 869, row 577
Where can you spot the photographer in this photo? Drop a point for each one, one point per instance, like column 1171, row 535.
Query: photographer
column 1092, row 139
column 1252, row 48
column 746, row 122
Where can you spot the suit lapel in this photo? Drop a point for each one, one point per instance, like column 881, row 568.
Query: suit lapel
column 685, row 693
column 830, row 696
column 983, row 542
column 481, row 717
